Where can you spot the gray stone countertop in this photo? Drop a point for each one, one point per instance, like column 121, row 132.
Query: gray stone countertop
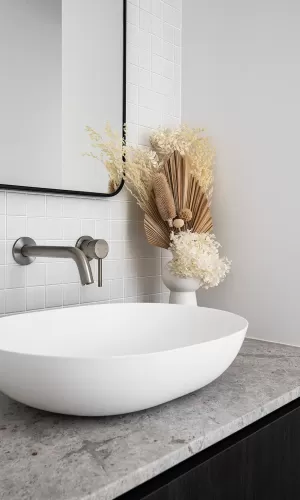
column 46, row 456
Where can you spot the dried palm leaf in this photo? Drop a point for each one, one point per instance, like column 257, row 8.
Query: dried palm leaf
column 164, row 198
column 157, row 231
column 197, row 202
column 176, row 169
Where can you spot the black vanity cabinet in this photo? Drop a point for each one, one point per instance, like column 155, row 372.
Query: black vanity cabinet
column 260, row 462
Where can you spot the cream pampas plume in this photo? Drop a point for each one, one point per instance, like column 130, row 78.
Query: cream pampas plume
column 164, row 198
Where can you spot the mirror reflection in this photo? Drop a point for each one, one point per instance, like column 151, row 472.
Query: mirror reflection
column 62, row 70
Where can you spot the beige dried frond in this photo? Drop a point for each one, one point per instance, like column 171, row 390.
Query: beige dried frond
column 188, row 142
column 176, row 169
column 112, row 152
column 186, row 214
column 164, row 198
column 157, row 231
column 141, row 166
column 201, row 221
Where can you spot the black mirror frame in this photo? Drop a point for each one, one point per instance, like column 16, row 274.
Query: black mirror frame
column 9, row 187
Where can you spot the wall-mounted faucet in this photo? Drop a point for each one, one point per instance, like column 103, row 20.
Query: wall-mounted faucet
column 25, row 251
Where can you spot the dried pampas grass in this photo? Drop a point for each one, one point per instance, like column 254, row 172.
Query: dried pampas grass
column 164, row 198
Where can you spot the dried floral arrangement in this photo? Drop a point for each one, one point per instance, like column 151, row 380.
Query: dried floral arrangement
column 172, row 182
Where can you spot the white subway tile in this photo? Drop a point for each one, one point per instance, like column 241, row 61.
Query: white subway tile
column 168, row 51
column 15, row 300
column 117, row 289
column 156, row 8
column 144, row 134
column 112, row 269
column 15, row 227
column 177, row 55
column 117, row 230
column 71, row 294
column 130, row 268
column 177, row 37
column 130, row 300
column 130, row 287
column 145, row 21
column 123, row 210
column 132, row 113
column 103, row 230
column 156, row 45
column 169, row 106
column 54, row 206
column 36, row 274
column 143, row 40
column 149, row 118
column 132, row 14
column 146, row 5
column 150, row 99
column 2, row 252
column 177, row 73
column 16, row 204
column 55, row 273
column 2, row 277
column 156, row 26
column 144, row 59
column 157, row 64
column 177, row 4
column 148, row 285
column 116, row 250
column 93, row 293
column 167, row 86
column 168, row 69
column 168, row 33
column 134, row 2
column 35, row 298
column 15, row 276
column 132, row 93
column 133, row 54
column 132, row 73
column 2, row 227
column 36, row 206
column 88, row 228
column 133, row 35
column 2, row 301
column 71, row 229
column 54, row 296
column 171, row 15
column 144, row 78
column 132, row 133
column 94, row 208
column 2, row 202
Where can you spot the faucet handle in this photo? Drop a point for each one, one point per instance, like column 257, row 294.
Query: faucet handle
column 94, row 249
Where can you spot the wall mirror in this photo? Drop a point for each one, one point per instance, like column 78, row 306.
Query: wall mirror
column 62, row 68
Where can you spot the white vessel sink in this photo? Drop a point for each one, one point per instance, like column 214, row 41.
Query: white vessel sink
column 115, row 358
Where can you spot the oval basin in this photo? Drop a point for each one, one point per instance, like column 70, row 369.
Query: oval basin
column 114, row 358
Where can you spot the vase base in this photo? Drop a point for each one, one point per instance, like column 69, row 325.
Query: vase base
column 183, row 298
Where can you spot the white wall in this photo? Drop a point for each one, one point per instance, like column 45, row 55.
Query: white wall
column 241, row 80
column 133, row 268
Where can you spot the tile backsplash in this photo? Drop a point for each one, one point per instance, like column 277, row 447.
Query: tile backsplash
column 132, row 270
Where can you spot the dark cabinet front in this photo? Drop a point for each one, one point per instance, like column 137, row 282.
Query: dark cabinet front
column 261, row 462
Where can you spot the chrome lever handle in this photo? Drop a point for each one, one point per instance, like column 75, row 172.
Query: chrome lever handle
column 99, row 272
column 94, row 249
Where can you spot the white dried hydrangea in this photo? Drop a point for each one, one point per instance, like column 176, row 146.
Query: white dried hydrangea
column 197, row 256
column 188, row 141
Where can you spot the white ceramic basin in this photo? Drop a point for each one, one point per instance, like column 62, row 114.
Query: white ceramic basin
column 114, row 358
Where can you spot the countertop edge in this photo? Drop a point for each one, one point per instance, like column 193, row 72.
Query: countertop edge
column 131, row 481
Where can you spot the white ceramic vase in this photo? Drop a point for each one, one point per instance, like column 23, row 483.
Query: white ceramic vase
column 182, row 290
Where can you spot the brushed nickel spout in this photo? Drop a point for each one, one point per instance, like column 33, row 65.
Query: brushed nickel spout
column 25, row 251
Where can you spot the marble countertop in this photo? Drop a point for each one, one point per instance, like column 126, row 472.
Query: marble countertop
column 46, row 456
